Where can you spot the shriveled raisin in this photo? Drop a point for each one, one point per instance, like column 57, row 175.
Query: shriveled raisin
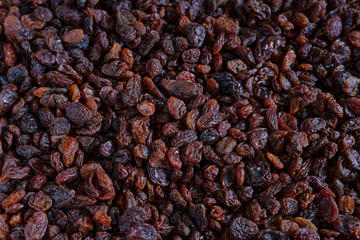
column 179, row 119
column 177, row 108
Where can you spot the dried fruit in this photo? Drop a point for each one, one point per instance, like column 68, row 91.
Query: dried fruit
column 78, row 113
column 236, row 66
column 36, row 226
column 242, row 228
column 179, row 119
column 73, row 36
column 333, row 27
column 177, row 108
column 68, row 147
column 97, row 183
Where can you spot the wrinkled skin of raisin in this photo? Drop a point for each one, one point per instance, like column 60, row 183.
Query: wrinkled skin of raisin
column 179, row 119
column 36, row 226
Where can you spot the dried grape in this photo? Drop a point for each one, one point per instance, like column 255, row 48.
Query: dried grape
column 158, row 119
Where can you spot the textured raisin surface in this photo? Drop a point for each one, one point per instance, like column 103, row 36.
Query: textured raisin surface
column 169, row 119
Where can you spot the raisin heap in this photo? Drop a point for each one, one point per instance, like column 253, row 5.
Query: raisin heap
column 162, row 119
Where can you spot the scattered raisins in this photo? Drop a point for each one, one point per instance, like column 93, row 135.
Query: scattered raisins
column 149, row 120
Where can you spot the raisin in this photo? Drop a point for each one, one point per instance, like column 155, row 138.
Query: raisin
column 226, row 25
column 17, row 74
column 182, row 89
column 105, row 186
column 225, row 146
column 328, row 209
column 8, row 99
column 300, row 19
column 271, row 234
column 36, row 226
column 354, row 38
column 195, row 35
column 60, row 126
column 153, row 67
column 43, row 14
column 102, row 218
column 40, row 201
column 184, row 137
column 68, row 148
column 4, row 226
column 45, row 57
column 305, row 233
column 29, row 124
column 134, row 215
column 209, row 136
column 236, row 66
column 11, row 26
column 67, row 176
column 57, row 79
column 333, row 27
column 346, row 205
column 242, row 228
column 142, row 231
column 191, row 55
column 73, row 36
column 177, row 108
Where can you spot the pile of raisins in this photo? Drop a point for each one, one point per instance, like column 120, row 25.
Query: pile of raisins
column 162, row 119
